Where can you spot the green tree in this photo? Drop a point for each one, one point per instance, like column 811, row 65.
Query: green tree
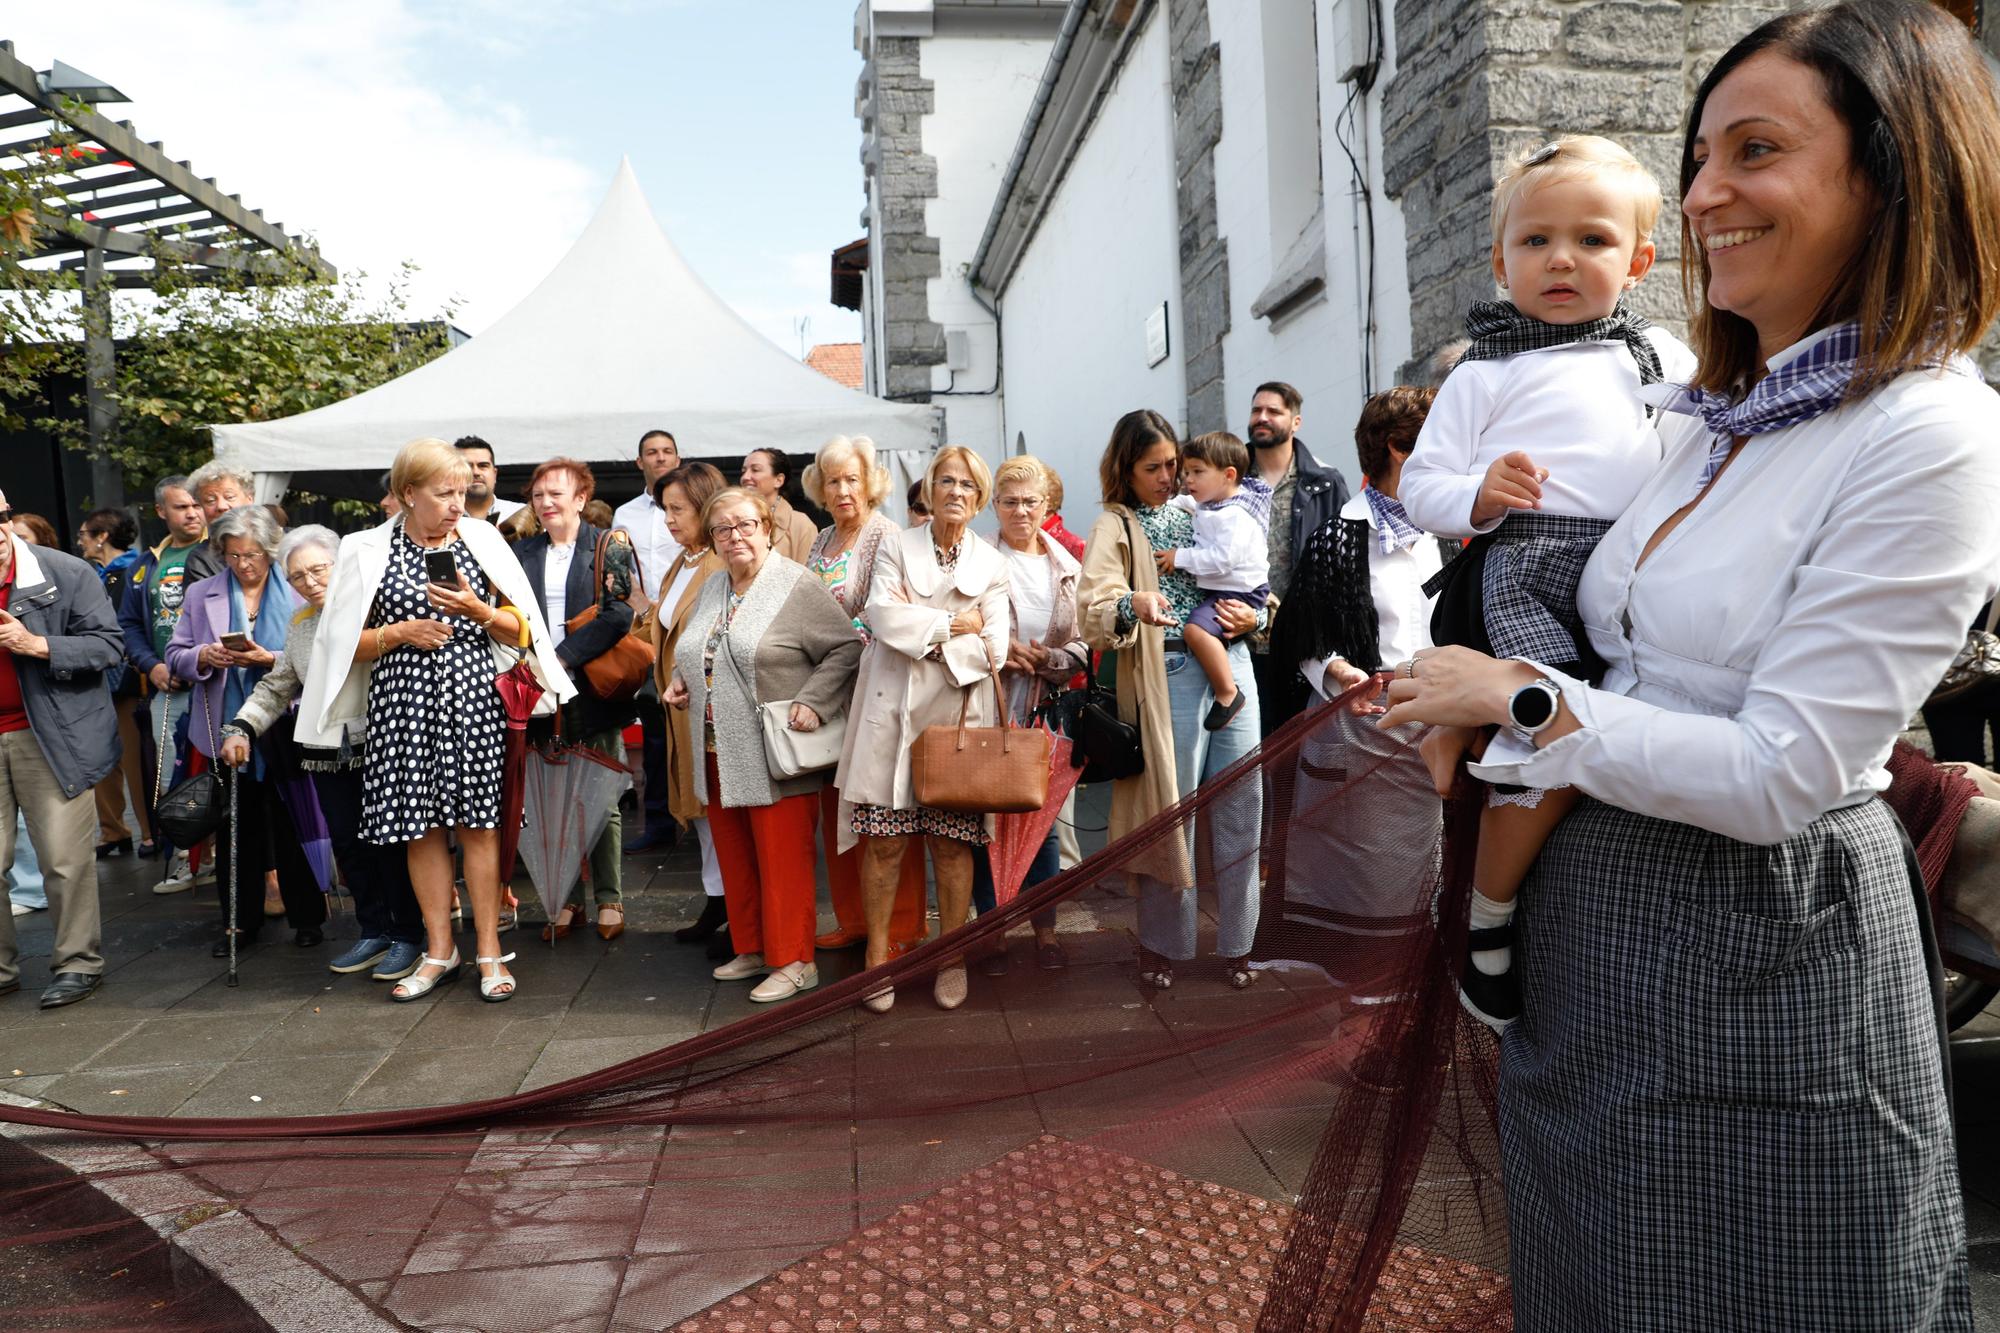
column 38, row 319
column 207, row 351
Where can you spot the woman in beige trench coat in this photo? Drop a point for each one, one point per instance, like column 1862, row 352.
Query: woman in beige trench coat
column 1126, row 608
column 938, row 609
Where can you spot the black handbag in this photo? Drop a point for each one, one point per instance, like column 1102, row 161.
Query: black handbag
column 1105, row 747
column 197, row 807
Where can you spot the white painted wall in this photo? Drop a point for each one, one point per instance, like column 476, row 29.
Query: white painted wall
column 984, row 84
column 1106, row 254
column 1304, row 347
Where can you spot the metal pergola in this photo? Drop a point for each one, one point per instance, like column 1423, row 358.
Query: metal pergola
column 125, row 205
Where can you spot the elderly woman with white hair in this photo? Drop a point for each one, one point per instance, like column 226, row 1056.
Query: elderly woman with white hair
column 233, row 625
column 938, row 612
column 392, row 929
column 847, row 481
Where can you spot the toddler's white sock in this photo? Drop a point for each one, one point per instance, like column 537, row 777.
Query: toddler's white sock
column 1485, row 915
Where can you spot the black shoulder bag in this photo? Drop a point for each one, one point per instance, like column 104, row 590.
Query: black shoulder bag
column 195, row 808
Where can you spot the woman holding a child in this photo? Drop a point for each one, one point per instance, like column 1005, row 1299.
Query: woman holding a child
column 1130, row 608
column 1724, row 1104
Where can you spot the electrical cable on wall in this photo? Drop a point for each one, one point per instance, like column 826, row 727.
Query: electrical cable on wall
column 1360, row 80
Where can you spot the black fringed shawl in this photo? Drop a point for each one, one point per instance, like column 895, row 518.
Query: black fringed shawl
column 1330, row 610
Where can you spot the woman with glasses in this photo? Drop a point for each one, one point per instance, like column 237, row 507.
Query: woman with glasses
column 385, row 908
column 1043, row 651
column 233, row 625
column 763, row 632
column 938, row 610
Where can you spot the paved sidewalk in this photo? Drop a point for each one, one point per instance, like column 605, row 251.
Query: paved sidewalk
column 166, row 1037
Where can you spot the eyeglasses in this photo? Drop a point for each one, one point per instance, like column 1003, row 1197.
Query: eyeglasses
column 966, row 484
column 246, row 557
column 319, row 574
column 1020, row 502
column 743, row 529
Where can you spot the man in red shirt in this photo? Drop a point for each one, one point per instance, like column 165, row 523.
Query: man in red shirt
column 58, row 738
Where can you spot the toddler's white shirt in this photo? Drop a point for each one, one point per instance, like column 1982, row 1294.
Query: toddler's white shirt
column 1231, row 551
column 1573, row 409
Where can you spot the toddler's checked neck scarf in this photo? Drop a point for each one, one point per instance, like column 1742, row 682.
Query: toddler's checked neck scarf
column 1499, row 329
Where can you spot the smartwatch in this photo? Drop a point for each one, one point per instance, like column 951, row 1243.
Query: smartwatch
column 1533, row 707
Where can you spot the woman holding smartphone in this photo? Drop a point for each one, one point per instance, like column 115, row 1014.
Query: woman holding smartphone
column 232, row 627
column 423, row 612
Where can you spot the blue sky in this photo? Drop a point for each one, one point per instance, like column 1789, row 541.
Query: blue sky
column 475, row 137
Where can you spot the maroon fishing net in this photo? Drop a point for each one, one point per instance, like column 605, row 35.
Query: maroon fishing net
column 1070, row 1149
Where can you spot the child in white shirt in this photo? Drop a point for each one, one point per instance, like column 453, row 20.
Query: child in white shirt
column 1536, row 443
column 1230, row 558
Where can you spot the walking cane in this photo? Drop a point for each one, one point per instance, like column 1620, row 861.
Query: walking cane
column 235, row 869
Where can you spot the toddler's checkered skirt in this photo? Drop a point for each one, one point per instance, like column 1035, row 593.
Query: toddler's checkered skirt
column 1515, row 588
column 1724, row 1106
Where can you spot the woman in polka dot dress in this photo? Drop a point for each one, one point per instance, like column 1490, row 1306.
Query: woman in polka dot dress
column 410, row 659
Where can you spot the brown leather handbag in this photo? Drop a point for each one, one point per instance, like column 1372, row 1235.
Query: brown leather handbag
column 1001, row 770
column 616, row 674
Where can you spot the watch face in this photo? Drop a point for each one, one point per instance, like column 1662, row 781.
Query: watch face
column 1532, row 707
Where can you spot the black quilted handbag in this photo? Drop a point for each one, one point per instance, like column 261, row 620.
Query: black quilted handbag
column 1101, row 744
column 197, row 807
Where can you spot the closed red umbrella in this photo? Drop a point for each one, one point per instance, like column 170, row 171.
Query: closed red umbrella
column 519, row 692
column 1016, row 838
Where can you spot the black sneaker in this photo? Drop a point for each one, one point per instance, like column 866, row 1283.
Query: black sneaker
column 1493, row 1000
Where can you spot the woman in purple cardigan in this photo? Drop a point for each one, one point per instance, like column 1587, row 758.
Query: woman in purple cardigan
column 245, row 599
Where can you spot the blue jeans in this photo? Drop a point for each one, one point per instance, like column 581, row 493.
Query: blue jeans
column 1045, row 865
column 24, row 877
column 1232, row 824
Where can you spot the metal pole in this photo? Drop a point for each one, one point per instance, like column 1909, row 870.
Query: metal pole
column 100, row 373
column 235, row 871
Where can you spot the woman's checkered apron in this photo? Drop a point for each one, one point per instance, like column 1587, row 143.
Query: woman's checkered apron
column 1726, row 1105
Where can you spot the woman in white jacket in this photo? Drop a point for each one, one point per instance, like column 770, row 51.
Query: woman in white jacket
column 938, row 609
column 411, row 660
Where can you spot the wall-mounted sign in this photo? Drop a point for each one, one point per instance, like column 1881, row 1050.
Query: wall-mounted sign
column 1156, row 336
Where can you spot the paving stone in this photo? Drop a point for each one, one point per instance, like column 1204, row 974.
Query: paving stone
column 662, row 1289
column 560, row 1297
column 442, row 1076
column 572, row 1057
column 188, row 1040
column 154, row 1091
column 56, row 1044
column 299, row 1086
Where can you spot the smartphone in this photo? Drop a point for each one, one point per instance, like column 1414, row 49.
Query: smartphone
column 236, row 642
column 439, row 567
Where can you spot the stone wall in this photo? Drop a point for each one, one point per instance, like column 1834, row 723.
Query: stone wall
column 1478, row 81
column 908, row 254
column 1196, row 65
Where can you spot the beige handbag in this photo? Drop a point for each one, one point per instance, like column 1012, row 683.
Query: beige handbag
column 788, row 753
column 1001, row 770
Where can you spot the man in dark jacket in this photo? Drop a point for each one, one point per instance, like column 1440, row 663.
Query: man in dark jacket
column 146, row 616
column 557, row 492
column 58, row 738
column 1304, row 495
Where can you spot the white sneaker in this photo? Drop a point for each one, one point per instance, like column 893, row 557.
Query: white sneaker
column 785, row 982
column 179, row 879
column 740, row 968
column 206, row 875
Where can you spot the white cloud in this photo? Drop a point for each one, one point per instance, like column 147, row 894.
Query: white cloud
column 318, row 115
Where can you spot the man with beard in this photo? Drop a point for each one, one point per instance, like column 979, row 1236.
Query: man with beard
column 480, row 501
column 646, row 524
column 1304, row 494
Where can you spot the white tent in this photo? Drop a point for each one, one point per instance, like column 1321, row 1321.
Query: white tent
column 619, row 338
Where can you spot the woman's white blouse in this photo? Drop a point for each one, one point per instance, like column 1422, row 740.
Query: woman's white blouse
column 1765, row 657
